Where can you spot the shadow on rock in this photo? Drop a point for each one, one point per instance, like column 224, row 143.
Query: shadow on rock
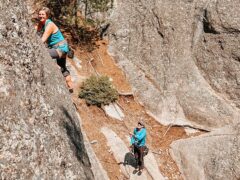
column 129, row 159
column 75, row 136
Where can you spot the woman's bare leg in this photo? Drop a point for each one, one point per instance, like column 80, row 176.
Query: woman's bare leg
column 69, row 82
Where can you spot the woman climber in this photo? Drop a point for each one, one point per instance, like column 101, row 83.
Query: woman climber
column 57, row 45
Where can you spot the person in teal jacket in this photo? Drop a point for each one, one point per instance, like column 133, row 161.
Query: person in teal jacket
column 57, row 45
column 138, row 141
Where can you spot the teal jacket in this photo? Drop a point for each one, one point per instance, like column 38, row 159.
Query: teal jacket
column 139, row 137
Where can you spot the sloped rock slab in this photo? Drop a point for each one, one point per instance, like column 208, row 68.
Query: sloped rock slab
column 196, row 75
column 121, row 153
column 114, row 111
column 152, row 167
column 212, row 156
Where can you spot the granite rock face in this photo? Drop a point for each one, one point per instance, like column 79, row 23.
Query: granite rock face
column 181, row 57
column 39, row 130
column 212, row 156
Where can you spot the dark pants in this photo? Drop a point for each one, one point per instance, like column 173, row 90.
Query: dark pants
column 61, row 61
column 138, row 153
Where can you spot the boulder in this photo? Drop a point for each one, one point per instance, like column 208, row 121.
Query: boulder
column 215, row 155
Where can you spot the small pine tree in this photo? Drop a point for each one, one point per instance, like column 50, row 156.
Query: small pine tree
column 98, row 91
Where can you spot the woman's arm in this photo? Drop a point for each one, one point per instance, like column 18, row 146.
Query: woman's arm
column 48, row 31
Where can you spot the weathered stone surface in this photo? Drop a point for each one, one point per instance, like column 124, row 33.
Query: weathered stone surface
column 39, row 131
column 152, row 167
column 212, row 156
column 114, row 111
column 182, row 58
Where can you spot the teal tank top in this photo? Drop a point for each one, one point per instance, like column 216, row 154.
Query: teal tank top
column 56, row 38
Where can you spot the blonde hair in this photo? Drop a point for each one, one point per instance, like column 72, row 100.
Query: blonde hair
column 46, row 10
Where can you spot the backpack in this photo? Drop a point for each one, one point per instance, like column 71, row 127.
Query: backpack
column 145, row 151
column 70, row 53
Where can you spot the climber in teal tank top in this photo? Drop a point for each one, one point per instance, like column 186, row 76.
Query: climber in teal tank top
column 56, row 38
column 57, row 45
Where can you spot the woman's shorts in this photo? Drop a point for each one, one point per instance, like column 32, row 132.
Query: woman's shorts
column 61, row 46
column 61, row 61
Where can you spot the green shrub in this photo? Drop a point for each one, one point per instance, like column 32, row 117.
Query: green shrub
column 98, row 91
